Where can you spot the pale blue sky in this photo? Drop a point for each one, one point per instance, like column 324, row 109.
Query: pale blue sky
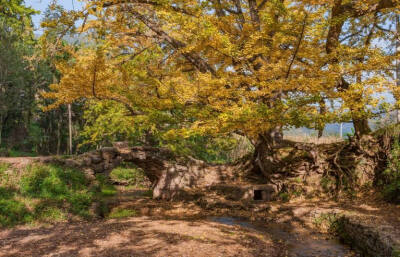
column 41, row 6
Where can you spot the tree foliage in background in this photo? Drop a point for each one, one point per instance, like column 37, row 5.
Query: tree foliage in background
column 24, row 74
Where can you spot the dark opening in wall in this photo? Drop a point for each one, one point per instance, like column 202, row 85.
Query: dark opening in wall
column 258, row 195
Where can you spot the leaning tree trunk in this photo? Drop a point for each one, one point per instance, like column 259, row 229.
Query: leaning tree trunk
column 170, row 175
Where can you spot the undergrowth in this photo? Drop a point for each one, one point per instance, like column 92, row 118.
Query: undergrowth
column 128, row 174
column 47, row 193
column 391, row 175
column 105, row 188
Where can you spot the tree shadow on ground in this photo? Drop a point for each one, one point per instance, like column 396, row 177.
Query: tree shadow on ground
column 139, row 236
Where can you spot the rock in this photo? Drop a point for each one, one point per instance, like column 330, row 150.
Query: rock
column 121, row 145
column 87, row 161
column 108, row 153
column 372, row 240
column 95, row 158
column 72, row 163
column 89, row 173
column 98, row 168
column 170, row 176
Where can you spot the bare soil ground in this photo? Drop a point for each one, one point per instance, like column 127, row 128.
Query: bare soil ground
column 20, row 162
column 137, row 236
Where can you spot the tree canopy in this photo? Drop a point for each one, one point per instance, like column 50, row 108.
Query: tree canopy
column 244, row 66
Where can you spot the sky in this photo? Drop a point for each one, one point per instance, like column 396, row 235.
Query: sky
column 41, row 6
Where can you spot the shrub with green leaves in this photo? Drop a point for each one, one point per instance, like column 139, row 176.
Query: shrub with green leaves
column 391, row 190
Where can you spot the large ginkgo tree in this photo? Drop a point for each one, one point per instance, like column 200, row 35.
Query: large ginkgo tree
column 252, row 67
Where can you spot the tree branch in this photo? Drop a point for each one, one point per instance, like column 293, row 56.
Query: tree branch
column 303, row 28
column 193, row 58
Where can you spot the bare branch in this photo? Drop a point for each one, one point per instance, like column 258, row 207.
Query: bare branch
column 303, row 28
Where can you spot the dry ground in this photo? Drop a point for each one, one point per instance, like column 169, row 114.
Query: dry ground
column 137, row 236
column 178, row 229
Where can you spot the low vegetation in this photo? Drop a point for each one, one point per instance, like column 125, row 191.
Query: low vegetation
column 119, row 213
column 48, row 193
column 128, row 174
column 391, row 175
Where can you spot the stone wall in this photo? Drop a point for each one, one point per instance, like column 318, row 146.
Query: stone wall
column 372, row 240
column 169, row 174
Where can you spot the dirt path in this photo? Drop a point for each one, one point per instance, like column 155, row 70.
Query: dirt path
column 22, row 162
column 138, row 236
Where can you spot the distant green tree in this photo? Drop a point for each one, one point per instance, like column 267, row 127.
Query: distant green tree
column 25, row 71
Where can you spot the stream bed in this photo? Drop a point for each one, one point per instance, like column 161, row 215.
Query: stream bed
column 300, row 242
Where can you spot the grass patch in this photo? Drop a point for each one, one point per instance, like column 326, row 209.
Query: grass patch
column 16, row 153
column 49, row 214
column 58, row 187
column 391, row 176
column 51, row 193
column 119, row 213
column 4, row 167
column 326, row 221
column 284, row 197
column 108, row 190
column 45, row 193
column 12, row 212
column 128, row 174
column 105, row 188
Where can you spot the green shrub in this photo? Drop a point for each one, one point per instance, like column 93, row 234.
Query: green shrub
column 391, row 176
column 284, row 196
column 17, row 153
column 47, row 213
column 391, row 191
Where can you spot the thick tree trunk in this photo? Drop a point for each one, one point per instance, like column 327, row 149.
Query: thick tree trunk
column 361, row 127
column 265, row 153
